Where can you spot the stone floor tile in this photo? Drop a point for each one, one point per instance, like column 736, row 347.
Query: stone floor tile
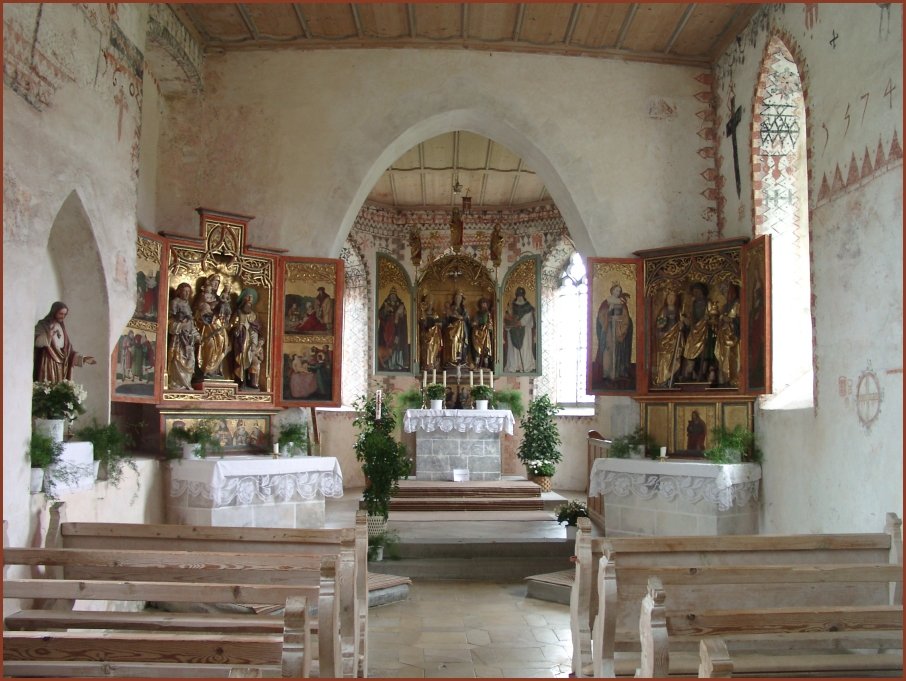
column 478, row 637
column 436, row 655
column 544, row 635
column 530, row 672
column 404, row 672
column 483, row 672
column 535, row 620
column 496, row 655
column 446, row 639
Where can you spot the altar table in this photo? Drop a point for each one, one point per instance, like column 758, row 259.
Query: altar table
column 253, row 491
column 458, row 439
column 674, row 497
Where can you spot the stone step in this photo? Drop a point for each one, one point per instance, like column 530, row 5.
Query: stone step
column 485, row 567
column 475, row 488
column 551, row 586
column 424, row 504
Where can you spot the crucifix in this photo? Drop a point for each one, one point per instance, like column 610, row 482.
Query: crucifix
column 731, row 132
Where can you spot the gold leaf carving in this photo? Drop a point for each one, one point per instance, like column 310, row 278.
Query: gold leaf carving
column 614, row 269
column 391, row 274
column 310, row 340
column 148, row 249
column 524, row 275
column 311, row 272
column 142, row 325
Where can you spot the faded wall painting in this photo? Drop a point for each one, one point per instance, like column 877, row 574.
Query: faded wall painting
column 613, row 347
column 134, row 361
column 236, row 432
column 521, row 333
column 312, row 324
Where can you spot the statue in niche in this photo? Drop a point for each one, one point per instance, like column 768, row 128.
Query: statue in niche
column 726, row 344
column 212, row 314
column 483, row 336
column 415, row 246
column 668, row 340
column 54, row 356
column 248, row 343
column 456, row 332
column 456, row 229
column 184, row 337
column 698, row 348
column 496, row 245
column 430, row 336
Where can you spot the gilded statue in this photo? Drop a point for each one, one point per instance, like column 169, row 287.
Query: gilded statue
column 184, row 337
column 483, row 336
column 456, row 229
column 54, row 356
column 212, row 314
column 726, row 346
column 697, row 350
column 456, row 332
column 415, row 246
column 668, row 340
column 496, row 245
column 248, row 340
column 430, row 338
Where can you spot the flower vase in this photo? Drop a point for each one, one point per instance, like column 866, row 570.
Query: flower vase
column 55, row 429
column 437, row 404
column 543, row 481
column 481, row 405
column 190, row 450
column 571, row 532
column 37, row 480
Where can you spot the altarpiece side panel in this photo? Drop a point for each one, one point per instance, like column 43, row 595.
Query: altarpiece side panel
column 521, row 338
column 614, row 357
column 392, row 318
column 756, row 317
column 311, row 332
column 135, row 359
column 237, row 432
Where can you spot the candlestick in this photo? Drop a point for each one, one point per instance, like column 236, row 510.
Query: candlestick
column 425, row 379
column 434, row 375
column 471, row 379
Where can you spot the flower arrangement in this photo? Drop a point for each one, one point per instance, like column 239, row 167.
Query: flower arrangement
column 481, row 392
column 61, row 400
column 570, row 511
column 110, row 448
column 293, row 438
column 202, row 433
column 509, row 399
column 733, row 446
column 541, row 467
column 435, row 391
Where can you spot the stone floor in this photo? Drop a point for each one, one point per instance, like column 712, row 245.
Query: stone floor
column 463, row 628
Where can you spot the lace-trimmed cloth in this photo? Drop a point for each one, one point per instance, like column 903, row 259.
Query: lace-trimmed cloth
column 460, row 420
column 242, row 481
column 725, row 486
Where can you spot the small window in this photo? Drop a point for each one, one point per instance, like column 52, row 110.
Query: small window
column 571, row 322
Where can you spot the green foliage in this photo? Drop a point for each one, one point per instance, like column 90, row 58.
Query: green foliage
column 201, row 433
column 61, row 400
column 435, row 391
column 389, row 540
column 293, row 437
column 408, row 399
column 384, row 460
column 481, row 392
column 511, row 399
column 110, row 444
column 43, row 450
column 733, row 446
column 570, row 511
column 623, row 446
column 540, row 447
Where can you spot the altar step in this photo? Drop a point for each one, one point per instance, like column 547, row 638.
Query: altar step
column 479, row 495
column 551, row 586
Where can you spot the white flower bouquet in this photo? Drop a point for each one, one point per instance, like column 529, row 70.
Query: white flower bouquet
column 62, row 400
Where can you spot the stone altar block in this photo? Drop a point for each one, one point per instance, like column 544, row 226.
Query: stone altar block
column 672, row 497
column 448, row 439
column 252, row 491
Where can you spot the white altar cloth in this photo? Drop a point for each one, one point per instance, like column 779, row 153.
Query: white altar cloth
column 645, row 496
column 460, row 420
column 253, row 491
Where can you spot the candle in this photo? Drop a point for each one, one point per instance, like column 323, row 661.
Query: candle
column 663, row 452
column 491, row 376
column 471, row 380
column 377, row 404
column 434, row 375
column 425, row 379
column 481, row 377
column 445, row 378
column 276, row 448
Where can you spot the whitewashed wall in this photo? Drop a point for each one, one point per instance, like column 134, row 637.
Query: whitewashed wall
column 827, row 469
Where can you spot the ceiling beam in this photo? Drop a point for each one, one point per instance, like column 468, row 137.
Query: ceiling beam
column 517, row 28
column 573, row 20
column 680, row 25
column 303, row 24
column 356, row 19
column 247, row 20
column 627, row 22
column 410, row 14
column 515, row 184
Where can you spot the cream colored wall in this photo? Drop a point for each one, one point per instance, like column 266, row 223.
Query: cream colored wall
column 826, row 470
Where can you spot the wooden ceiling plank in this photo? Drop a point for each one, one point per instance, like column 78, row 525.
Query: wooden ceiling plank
column 187, row 16
column 545, row 24
column 464, row 20
column 741, row 16
column 410, row 12
column 247, row 20
column 627, row 22
column 571, row 27
column 681, row 24
column 515, row 184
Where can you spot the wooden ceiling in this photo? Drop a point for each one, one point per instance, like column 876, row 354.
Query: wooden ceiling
column 690, row 34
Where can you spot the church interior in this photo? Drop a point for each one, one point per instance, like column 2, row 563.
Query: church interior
column 281, row 220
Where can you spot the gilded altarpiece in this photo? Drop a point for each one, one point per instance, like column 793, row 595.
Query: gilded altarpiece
column 614, row 340
column 311, row 331
column 393, row 318
column 455, row 330
column 520, row 327
column 756, row 266
column 135, row 360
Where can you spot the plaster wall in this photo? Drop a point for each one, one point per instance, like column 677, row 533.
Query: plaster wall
column 306, row 146
column 836, row 467
column 72, row 89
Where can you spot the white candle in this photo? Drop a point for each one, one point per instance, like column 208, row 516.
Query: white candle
column 491, row 376
column 425, row 379
column 663, row 452
column 276, row 448
column 471, row 380
column 481, row 377
column 445, row 378
column 434, row 375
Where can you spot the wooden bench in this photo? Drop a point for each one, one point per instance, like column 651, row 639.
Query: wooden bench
column 56, row 640
column 787, row 640
column 597, row 448
column 352, row 580
column 605, row 611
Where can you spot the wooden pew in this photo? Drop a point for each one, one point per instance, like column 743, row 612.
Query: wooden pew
column 787, row 640
column 351, row 579
column 146, row 643
column 597, row 448
column 608, row 614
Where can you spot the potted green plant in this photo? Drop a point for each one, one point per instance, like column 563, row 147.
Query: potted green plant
column 43, row 451
column 292, row 439
column 413, row 398
column 436, row 393
column 569, row 513
column 636, row 444
column 510, row 399
column 733, row 446
column 197, row 440
column 53, row 404
column 481, row 394
column 110, row 445
column 384, row 460
column 383, row 542
column 540, row 446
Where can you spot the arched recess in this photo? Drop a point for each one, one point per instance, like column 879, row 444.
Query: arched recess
column 481, row 123
column 78, row 270
column 780, row 203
